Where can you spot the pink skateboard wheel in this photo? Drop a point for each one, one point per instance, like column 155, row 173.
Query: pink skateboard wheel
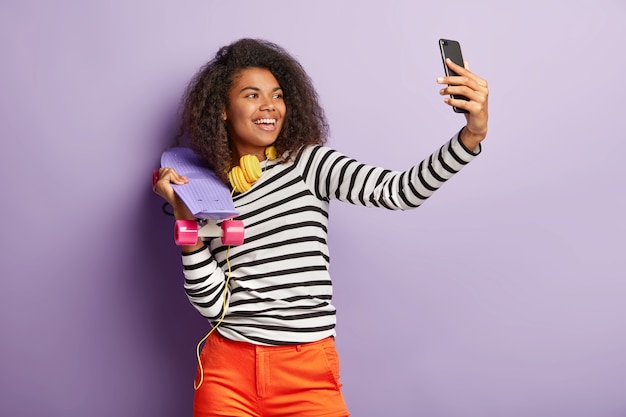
column 233, row 232
column 185, row 232
column 155, row 178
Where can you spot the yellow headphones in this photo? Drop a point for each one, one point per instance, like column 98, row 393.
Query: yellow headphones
column 242, row 177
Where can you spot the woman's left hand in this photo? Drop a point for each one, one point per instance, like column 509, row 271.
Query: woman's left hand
column 468, row 84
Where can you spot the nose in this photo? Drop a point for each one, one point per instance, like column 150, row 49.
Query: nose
column 268, row 107
column 267, row 104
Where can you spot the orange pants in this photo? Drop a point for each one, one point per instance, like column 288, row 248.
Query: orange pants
column 242, row 379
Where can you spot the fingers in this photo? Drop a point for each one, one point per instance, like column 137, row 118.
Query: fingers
column 475, row 89
column 466, row 84
column 172, row 176
column 164, row 180
column 476, row 104
column 478, row 95
column 464, row 74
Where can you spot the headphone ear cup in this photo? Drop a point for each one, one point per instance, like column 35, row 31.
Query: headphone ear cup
column 249, row 170
column 270, row 152
column 238, row 180
column 251, row 167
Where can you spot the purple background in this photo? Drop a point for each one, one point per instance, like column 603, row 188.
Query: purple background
column 504, row 295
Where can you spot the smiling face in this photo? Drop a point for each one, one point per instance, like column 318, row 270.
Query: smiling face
column 255, row 112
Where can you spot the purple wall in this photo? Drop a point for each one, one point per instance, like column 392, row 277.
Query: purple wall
column 502, row 296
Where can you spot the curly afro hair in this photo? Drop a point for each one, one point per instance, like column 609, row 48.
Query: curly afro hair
column 206, row 97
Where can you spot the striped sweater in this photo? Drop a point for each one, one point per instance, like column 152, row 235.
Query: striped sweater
column 280, row 289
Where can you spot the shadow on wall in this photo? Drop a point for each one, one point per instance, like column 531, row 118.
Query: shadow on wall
column 171, row 326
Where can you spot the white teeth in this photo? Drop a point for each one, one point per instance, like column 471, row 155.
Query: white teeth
column 265, row 121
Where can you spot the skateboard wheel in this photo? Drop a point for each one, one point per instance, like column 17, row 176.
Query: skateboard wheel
column 155, row 178
column 185, row 232
column 233, row 232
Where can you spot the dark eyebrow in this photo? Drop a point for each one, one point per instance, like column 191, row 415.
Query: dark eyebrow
column 258, row 89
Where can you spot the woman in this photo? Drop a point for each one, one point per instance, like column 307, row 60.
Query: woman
column 273, row 353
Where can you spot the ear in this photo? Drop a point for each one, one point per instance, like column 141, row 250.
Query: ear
column 224, row 117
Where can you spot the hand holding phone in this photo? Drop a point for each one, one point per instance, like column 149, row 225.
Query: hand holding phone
column 452, row 49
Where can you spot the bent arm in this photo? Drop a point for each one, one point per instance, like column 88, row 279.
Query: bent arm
column 204, row 279
column 205, row 282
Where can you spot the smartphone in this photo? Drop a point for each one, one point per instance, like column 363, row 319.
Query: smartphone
column 452, row 49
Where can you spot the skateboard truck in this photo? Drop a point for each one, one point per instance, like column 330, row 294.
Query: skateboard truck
column 187, row 232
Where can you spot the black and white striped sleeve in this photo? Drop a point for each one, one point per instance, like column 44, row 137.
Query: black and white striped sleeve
column 333, row 175
column 204, row 283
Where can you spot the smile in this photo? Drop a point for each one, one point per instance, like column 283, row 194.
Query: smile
column 265, row 122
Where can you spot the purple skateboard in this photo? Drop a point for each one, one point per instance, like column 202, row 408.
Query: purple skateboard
column 207, row 198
